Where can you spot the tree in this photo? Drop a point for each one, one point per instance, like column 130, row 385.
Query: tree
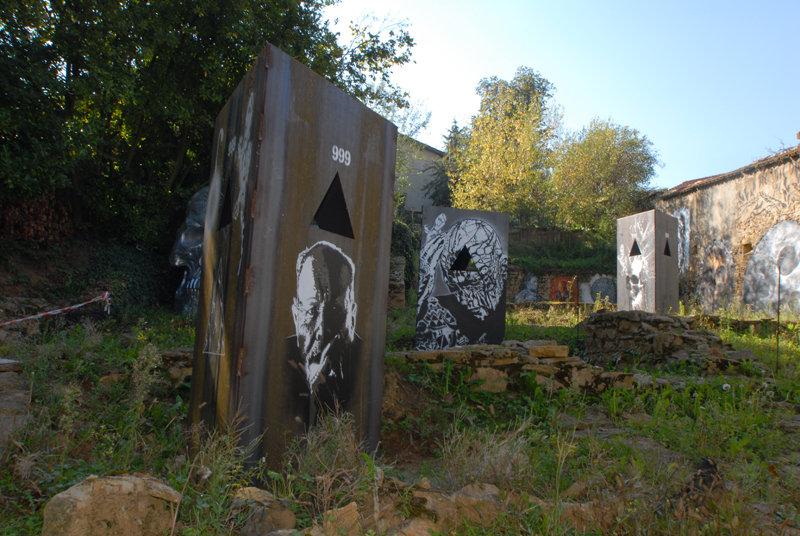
column 440, row 189
column 504, row 164
column 117, row 100
column 602, row 173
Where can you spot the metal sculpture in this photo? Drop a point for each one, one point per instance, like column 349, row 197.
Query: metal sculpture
column 292, row 313
column 462, row 278
column 647, row 263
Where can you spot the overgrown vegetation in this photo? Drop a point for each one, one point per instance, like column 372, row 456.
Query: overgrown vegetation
column 71, row 270
column 593, row 256
column 628, row 453
column 110, row 106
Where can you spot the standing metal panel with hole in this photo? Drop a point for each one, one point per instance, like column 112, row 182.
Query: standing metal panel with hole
column 292, row 313
column 647, row 263
column 463, row 268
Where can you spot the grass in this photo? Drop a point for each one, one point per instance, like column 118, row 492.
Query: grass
column 82, row 424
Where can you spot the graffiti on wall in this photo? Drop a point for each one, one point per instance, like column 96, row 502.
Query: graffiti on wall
column 604, row 286
column 780, row 247
column 753, row 200
column 530, row 290
column 716, row 277
column 684, row 238
column 462, row 276
column 563, row 289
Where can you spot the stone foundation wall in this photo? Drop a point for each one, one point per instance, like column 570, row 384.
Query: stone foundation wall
column 636, row 335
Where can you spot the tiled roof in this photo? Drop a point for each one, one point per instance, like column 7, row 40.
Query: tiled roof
column 696, row 184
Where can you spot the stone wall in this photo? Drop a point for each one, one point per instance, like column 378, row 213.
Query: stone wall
column 397, row 283
column 734, row 228
column 627, row 337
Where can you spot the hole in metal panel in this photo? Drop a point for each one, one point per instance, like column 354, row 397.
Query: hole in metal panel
column 332, row 214
column 463, row 261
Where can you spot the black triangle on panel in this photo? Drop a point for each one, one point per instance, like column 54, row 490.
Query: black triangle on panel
column 635, row 249
column 463, row 260
column 332, row 214
column 666, row 250
column 227, row 210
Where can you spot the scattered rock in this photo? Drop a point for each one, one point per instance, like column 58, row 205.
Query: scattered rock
column 110, row 379
column 548, row 351
column 387, row 519
column 581, row 516
column 790, row 425
column 743, row 355
column 11, row 381
column 260, row 496
column 178, row 375
column 10, row 365
column 576, row 490
column 419, row 527
column 638, row 418
column 342, row 521
column 114, row 505
column 266, row 519
column 495, row 381
column 479, row 503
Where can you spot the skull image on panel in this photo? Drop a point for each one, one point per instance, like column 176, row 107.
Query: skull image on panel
column 463, row 272
column 188, row 252
column 636, row 259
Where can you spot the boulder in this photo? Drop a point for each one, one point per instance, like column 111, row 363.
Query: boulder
column 442, row 508
column 111, row 506
column 342, row 521
column 275, row 516
column 479, row 504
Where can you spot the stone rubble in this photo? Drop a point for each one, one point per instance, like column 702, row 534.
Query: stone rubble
column 635, row 336
column 613, row 339
column 512, row 364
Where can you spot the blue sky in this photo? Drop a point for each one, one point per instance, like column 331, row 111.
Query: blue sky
column 714, row 85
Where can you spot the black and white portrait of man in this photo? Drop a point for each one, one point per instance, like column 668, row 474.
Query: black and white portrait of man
column 325, row 348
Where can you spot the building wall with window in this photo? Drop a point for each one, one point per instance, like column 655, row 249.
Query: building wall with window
column 739, row 235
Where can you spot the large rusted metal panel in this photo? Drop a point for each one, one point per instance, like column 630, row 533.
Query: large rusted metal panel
column 647, row 263
column 292, row 313
column 463, row 268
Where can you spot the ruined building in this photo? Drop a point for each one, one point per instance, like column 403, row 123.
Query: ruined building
column 738, row 231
